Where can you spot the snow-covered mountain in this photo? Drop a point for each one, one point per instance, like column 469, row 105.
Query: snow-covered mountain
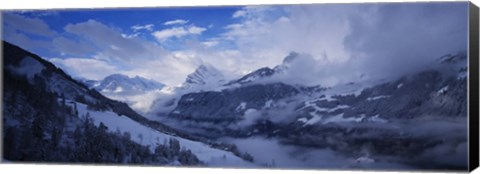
column 417, row 120
column 266, row 72
column 56, row 118
column 138, row 92
column 256, row 75
column 362, row 119
column 123, row 84
column 204, row 77
column 231, row 104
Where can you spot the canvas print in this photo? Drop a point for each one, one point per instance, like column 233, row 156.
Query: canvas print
column 361, row 86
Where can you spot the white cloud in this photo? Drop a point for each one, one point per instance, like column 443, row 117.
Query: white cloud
column 85, row 67
column 303, row 29
column 171, row 32
column 129, row 36
column 342, row 41
column 170, row 69
column 177, row 32
column 266, row 35
column 112, row 44
column 196, row 30
column 254, row 11
column 148, row 27
column 118, row 53
column 211, row 43
column 131, row 56
column 239, row 13
column 176, row 22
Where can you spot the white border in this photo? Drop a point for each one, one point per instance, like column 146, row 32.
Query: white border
column 56, row 4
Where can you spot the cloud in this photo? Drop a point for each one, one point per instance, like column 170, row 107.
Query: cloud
column 129, row 36
column 254, row 12
column 170, row 69
column 85, row 67
column 117, row 53
column 266, row 35
column 126, row 55
column 249, row 117
column 340, row 41
column 28, row 25
column 211, row 43
column 177, row 32
column 39, row 13
column 10, row 35
column 239, row 13
column 176, row 22
column 348, row 40
column 111, row 42
column 148, row 27
column 72, row 48
column 393, row 39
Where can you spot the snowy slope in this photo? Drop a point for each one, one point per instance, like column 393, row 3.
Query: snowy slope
column 151, row 137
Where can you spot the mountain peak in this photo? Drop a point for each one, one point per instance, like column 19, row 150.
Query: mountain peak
column 203, row 75
column 265, row 72
column 117, row 75
column 255, row 75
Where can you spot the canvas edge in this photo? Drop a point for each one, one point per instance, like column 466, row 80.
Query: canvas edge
column 473, row 85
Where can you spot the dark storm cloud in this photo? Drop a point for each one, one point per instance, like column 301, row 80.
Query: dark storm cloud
column 394, row 38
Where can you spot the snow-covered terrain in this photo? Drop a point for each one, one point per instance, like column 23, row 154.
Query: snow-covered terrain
column 148, row 136
column 405, row 122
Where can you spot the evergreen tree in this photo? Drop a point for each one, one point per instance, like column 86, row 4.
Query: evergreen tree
column 175, row 145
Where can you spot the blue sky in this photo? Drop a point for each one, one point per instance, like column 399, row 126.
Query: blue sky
column 125, row 19
column 166, row 44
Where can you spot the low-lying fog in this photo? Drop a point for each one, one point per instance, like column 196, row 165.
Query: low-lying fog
column 270, row 153
column 451, row 153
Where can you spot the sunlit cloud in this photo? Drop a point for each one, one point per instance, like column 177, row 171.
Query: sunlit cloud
column 175, row 22
column 178, row 32
column 148, row 27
